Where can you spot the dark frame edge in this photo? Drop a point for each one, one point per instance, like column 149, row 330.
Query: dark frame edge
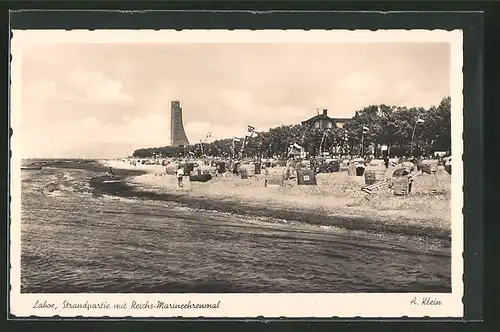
column 473, row 156
column 473, row 165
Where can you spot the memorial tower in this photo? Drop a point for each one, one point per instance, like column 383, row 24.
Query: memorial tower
column 177, row 134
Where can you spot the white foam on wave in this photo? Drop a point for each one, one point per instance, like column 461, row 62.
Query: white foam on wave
column 114, row 198
column 67, row 176
column 120, row 199
column 54, row 193
column 184, row 208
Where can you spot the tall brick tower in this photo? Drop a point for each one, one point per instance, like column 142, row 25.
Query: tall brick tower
column 177, row 134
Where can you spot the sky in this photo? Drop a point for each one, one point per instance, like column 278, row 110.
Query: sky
column 106, row 100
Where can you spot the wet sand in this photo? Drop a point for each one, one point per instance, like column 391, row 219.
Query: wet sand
column 337, row 200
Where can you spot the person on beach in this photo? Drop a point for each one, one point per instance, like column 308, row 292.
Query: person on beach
column 111, row 172
column 180, row 175
column 217, row 169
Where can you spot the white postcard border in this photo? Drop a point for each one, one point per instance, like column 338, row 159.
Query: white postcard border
column 241, row 305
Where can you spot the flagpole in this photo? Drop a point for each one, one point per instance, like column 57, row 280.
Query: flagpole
column 243, row 146
column 413, row 135
column 302, row 150
column 346, row 141
column 362, row 142
column 321, row 144
column 206, row 141
column 365, row 128
column 233, row 148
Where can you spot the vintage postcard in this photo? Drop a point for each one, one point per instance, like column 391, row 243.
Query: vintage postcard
column 212, row 173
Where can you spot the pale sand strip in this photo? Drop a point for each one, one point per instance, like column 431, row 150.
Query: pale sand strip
column 336, row 195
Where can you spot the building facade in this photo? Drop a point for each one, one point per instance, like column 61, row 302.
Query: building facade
column 177, row 134
column 323, row 121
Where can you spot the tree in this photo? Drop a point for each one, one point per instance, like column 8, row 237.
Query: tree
column 389, row 125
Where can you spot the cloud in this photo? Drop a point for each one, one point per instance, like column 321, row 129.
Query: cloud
column 198, row 130
column 97, row 88
column 42, row 89
column 117, row 96
column 61, row 138
column 90, row 134
column 80, row 87
column 152, row 129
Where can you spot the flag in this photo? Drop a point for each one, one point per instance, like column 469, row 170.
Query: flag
column 235, row 139
column 365, row 129
column 250, row 128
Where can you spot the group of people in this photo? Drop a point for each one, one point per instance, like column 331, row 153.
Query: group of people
column 181, row 171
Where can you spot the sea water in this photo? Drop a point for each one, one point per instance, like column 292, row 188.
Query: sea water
column 75, row 239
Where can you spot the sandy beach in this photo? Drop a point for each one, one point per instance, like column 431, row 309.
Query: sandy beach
column 336, row 196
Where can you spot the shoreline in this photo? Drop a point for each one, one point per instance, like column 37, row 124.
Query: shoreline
column 346, row 207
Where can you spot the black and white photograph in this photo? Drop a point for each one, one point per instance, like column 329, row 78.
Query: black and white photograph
column 236, row 173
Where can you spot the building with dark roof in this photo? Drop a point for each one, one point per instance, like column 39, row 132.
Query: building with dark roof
column 323, row 121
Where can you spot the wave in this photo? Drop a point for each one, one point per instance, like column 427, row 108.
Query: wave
column 65, row 181
column 200, row 246
column 117, row 198
column 55, row 183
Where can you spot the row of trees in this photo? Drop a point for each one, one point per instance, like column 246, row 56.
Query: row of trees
column 371, row 126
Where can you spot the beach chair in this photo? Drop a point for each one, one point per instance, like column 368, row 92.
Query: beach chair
column 306, row 177
column 401, row 185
